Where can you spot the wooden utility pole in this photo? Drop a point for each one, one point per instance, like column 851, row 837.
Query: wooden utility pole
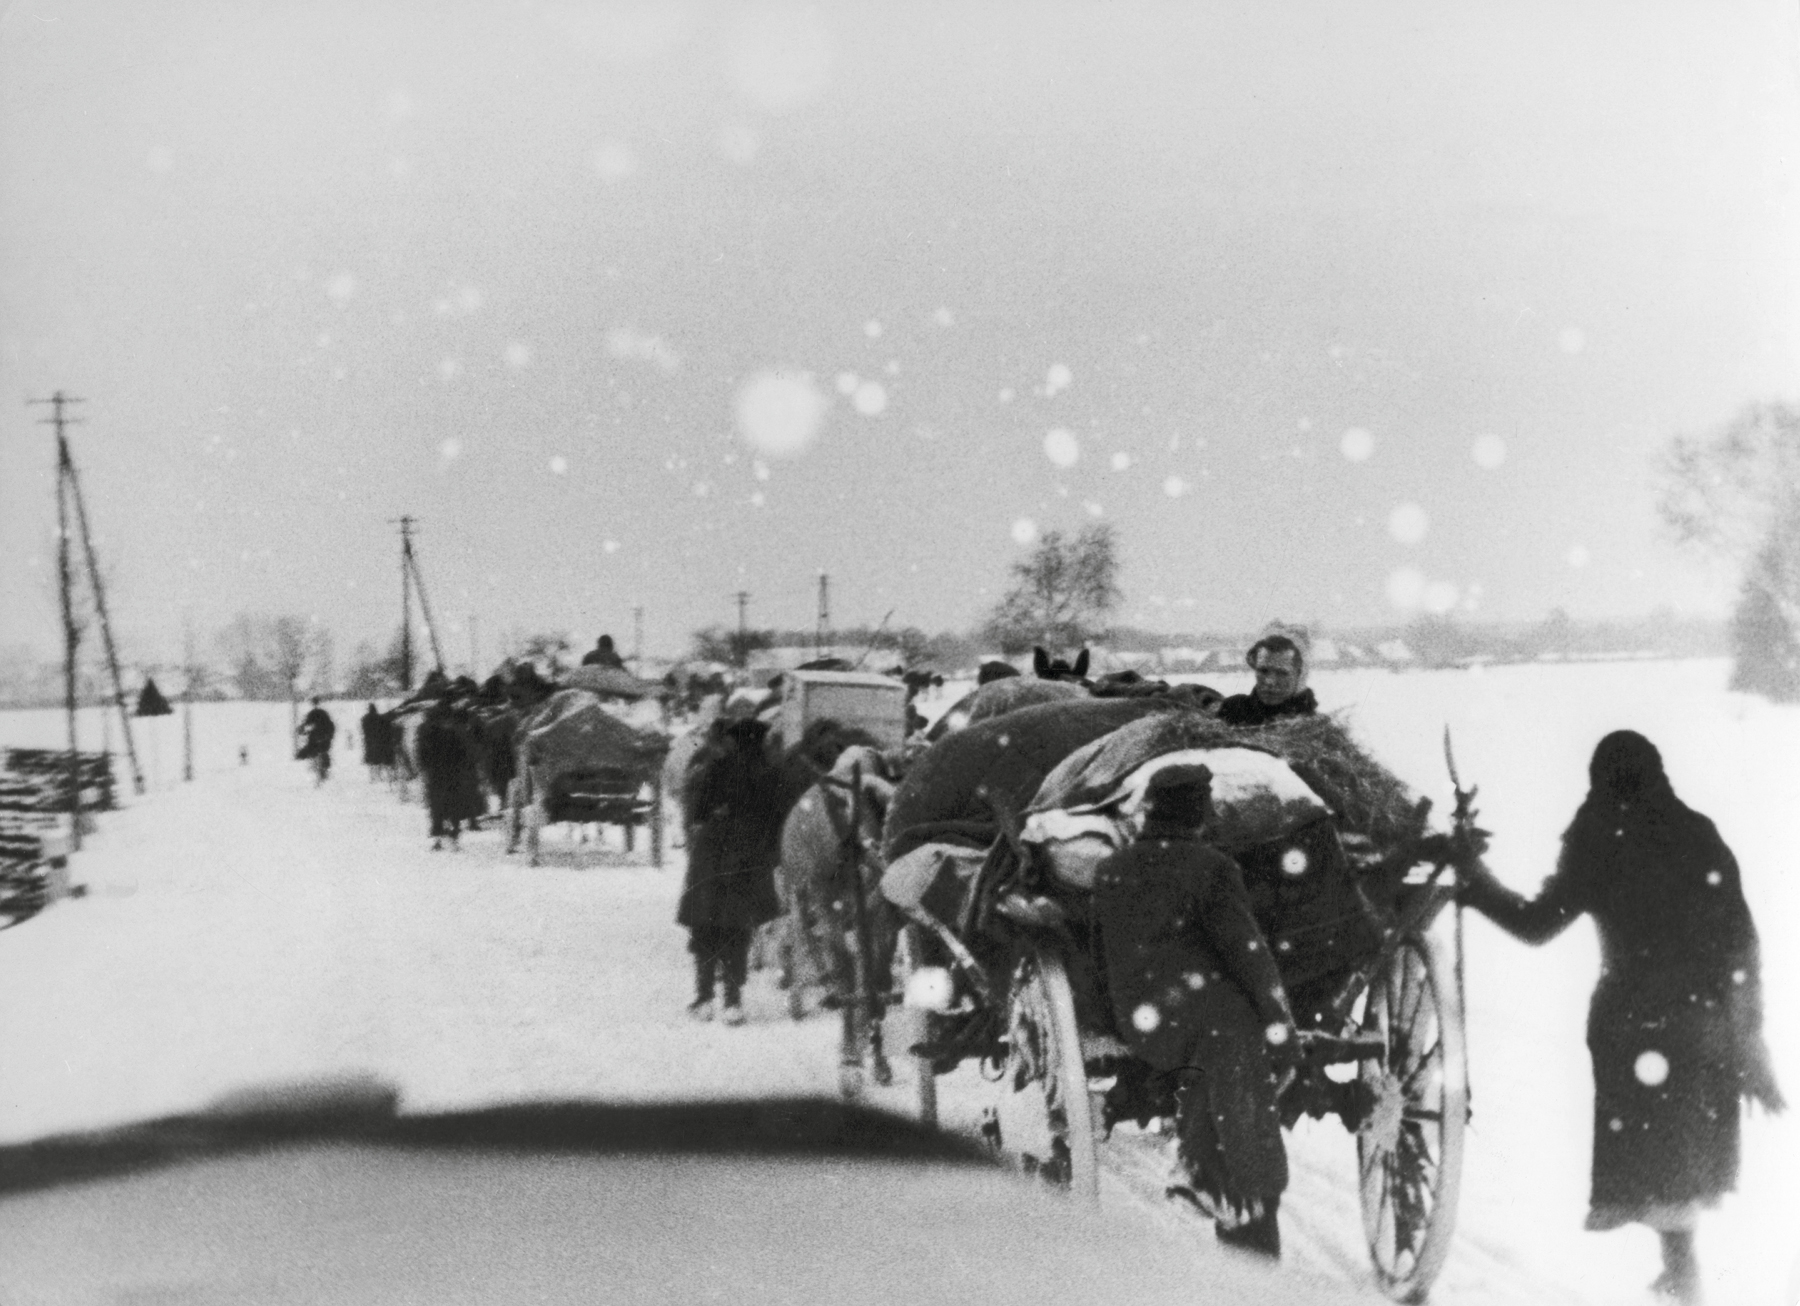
column 743, row 645
column 106, row 639
column 71, row 639
column 637, row 640
column 820, row 636
column 187, row 697
column 406, row 658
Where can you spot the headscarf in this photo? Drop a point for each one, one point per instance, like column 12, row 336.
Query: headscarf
column 1629, row 797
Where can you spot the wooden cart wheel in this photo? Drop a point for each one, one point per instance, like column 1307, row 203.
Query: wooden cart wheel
column 1042, row 1119
column 1409, row 1150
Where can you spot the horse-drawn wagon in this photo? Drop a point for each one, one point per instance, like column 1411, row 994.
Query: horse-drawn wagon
column 590, row 754
column 986, row 868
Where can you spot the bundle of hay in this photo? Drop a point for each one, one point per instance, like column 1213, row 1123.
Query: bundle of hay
column 1367, row 799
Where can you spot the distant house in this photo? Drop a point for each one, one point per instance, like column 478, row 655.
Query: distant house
column 1396, row 652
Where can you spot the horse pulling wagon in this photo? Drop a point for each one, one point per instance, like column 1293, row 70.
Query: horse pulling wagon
column 987, row 866
column 591, row 754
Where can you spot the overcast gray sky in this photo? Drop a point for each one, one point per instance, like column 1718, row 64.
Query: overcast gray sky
column 1337, row 311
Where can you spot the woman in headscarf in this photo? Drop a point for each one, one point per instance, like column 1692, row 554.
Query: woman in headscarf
column 1675, row 1023
column 734, row 801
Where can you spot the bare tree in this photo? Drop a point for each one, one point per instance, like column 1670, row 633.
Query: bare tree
column 1736, row 494
column 1062, row 595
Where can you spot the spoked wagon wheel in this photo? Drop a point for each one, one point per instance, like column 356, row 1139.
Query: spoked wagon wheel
column 1043, row 1118
column 907, row 1027
column 1409, row 1149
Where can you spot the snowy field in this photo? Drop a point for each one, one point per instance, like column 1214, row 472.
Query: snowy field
column 249, row 929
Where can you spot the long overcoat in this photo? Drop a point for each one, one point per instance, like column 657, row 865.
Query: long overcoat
column 1674, row 1025
column 447, row 759
column 734, row 801
column 1193, row 988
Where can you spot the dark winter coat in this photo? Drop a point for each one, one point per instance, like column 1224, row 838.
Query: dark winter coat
column 1249, row 710
column 1674, row 1026
column 1193, row 987
column 378, row 738
column 317, row 730
column 447, row 759
column 735, row 801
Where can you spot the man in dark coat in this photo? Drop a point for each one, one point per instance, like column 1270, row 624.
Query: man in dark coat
column 377, row 741
column 1280, row 690
column 317, row 730
column 448, row 762
column 1675, row 1023
column 603, row 655
column 1195, row 992
column 734, row 800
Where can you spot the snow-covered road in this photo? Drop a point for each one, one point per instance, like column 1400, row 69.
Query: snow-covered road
column 249, row 930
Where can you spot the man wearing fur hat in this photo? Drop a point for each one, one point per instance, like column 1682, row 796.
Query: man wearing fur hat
column 1197, row 996
column 1280, row 690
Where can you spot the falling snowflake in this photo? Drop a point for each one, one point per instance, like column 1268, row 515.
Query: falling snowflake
column 1094, row 509
column 614, row 161
column 1146, row 1019
column 559, row 464
column 1006, row 395
column 609, row 546
column 1357, row 445
column 1057, row 378
column 1489, row 451
column 779, row 413
column 341, row 286
column 1578, row 556
column 781, row 59
column 870, row 398
column 1440, row 597
column 1120, row 461
column 847, row 383
column 518, row 355
column 1571, row 340
column 872, row 329
column 1408, row 523
column 760, row 470
column 1651, row 1069
column 1024, row 531
column 944, row 317
column 450, row 449
column 449, row 368
column 1276, row 1034
column 1406, row 588
column 1294, row 861
column 1061, row 447
column 1174, row 486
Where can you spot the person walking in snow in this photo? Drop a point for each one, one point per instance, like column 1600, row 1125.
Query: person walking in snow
column 317, row 730
column 733, row 798
column 1675, row 1023
column 1196, row 994
column 448, row 764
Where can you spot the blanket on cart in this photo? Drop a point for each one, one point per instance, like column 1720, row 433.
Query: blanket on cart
column 961, row 787
column 572, row 731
